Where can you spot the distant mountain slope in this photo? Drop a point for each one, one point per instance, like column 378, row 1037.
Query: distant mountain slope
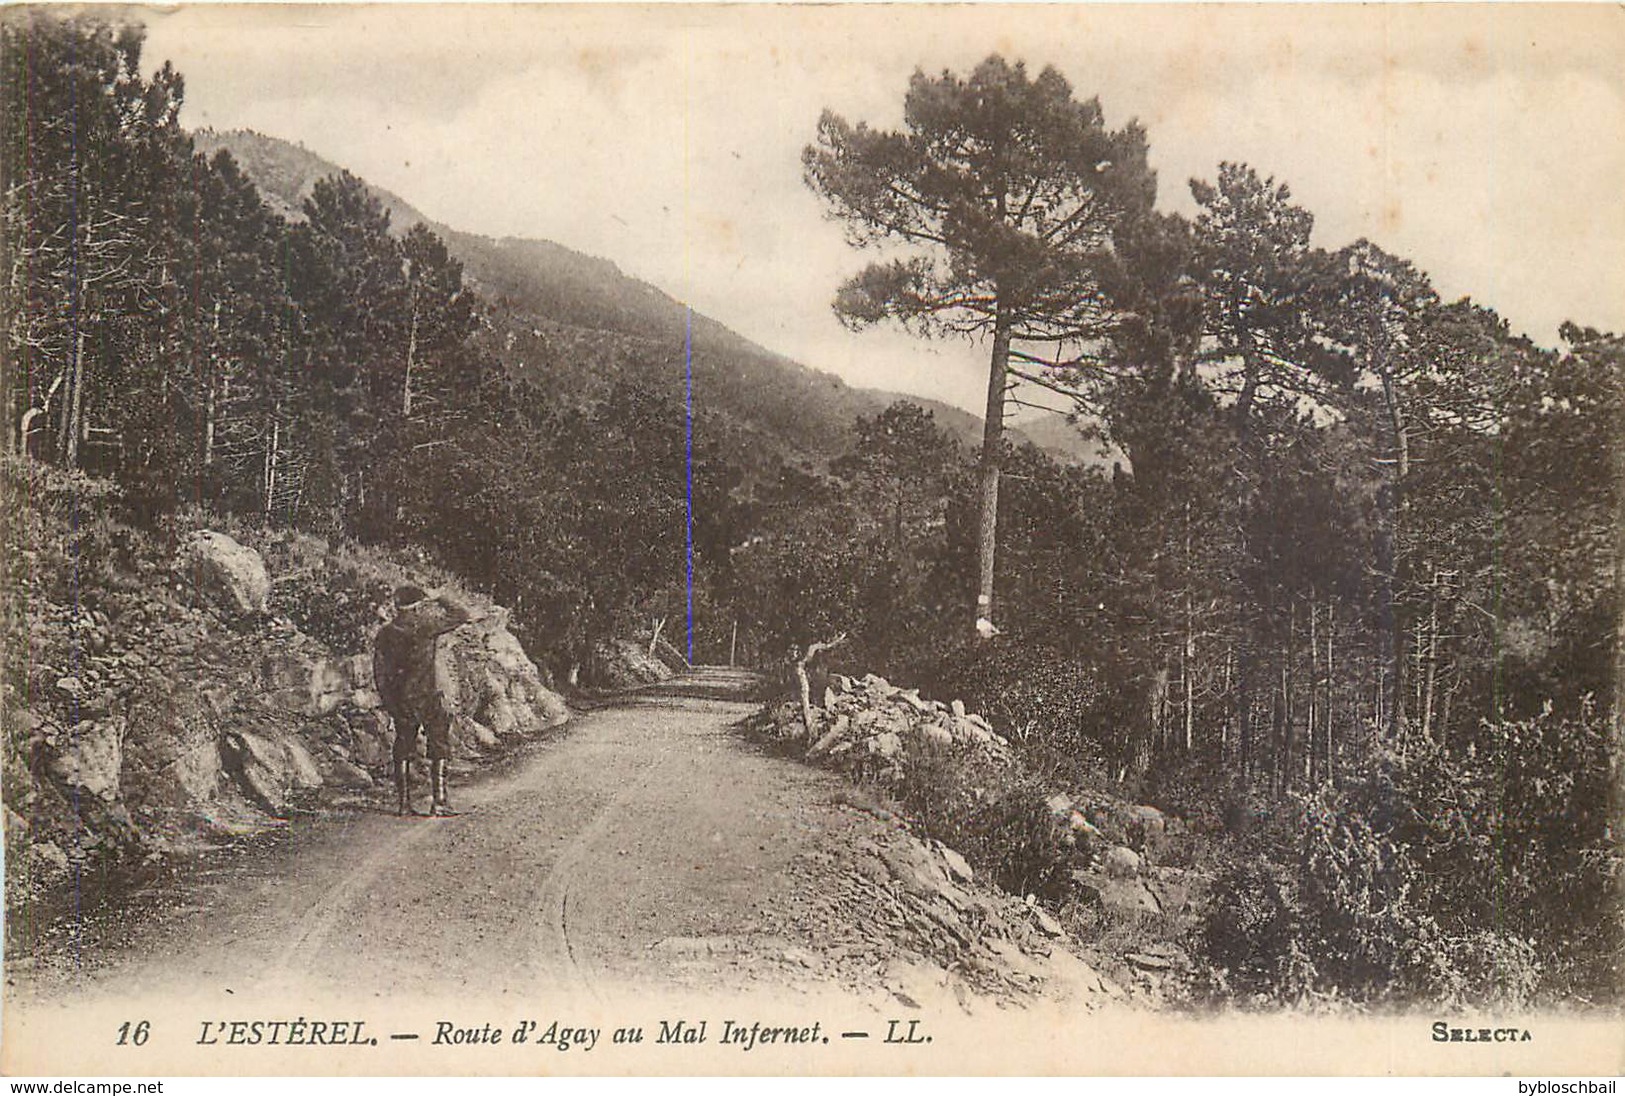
column 574, row 323
column 1065, row 441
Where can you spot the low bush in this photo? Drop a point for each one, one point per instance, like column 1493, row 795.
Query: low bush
column 1254, row 936
column 1058, row 708
column 993, row 813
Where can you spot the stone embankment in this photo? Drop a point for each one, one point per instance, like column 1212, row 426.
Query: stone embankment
column 1125, row 909
column 173, row 702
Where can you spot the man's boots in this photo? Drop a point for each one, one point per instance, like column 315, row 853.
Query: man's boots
column 441, row 807
column 403, row 775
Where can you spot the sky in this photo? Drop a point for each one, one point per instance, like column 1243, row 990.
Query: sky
column 1484, row 143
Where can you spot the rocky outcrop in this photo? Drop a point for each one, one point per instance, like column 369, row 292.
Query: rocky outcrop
column 916, row 913
column 176, row 702
column 225, row 573
column 870, row 726
column 1131, row 909
column 621, row 663
column 496, row 693
column 500, row 689
column 88, row 756
column 274, row 771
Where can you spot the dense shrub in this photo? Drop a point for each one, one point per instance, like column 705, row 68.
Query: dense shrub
column 992, row 813
column 1254, row 935
column 1058, row 708
column 1486, row 876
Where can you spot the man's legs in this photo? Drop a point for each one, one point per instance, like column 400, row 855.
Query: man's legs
column 440, row 804
column 406, row 741
column 438, row 733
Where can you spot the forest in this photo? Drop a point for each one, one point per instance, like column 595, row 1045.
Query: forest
column 1349, row 598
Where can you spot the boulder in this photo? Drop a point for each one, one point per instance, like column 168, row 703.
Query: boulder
column 351, row 776
column 623, row 662
column 913, row 867
column 331, row 683
column 49, row 858
column 838, row 730
column 1047, row 925
column 498, row 691
column 911, row 697
column 958, row 867
column 172, row 745
column 271, row 771
column 1145, row 825
column 90, row 757
column 225, row 573
column 1179, row 891
column 886, row 744
column 195, row 774
column 1125, row 897
column 301, row 767
column 1122, row 863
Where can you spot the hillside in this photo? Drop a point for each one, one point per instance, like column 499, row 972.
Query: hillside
column 573, row 322
column 189, row 688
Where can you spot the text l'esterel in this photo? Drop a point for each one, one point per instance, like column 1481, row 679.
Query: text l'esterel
column 298, row 1032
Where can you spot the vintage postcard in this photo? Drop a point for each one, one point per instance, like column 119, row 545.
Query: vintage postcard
column 856, row 539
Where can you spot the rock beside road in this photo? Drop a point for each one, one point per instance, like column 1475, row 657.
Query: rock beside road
column 870, row 727
column 224, row 572
column 622, row 663
column 1106, row 850
column 902, row 913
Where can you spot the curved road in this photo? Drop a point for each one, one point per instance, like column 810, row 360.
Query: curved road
column 646, row 842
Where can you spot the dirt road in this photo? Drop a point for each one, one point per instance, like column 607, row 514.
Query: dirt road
column 647, row 842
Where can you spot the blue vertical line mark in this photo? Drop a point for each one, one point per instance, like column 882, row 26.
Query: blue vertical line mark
column 688, row 453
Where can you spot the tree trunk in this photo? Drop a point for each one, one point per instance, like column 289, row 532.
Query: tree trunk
column 1249, row 384
column 1389, row 503
column 75, row 408
column 1140, row 750
column 803, row 685
column 992, row 458
column 211, row 403
column 1331, row 743
column 1432, row 675
column 271, row 459
column 1283, row 760
column 1189, row 654
column 1310, row 753
column 411, row 357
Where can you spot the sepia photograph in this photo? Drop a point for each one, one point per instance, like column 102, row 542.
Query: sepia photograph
column 861, row 539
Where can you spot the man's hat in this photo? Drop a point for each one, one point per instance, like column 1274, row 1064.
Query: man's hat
column 408, row 595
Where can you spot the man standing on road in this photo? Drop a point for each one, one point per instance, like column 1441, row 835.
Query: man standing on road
column 415, row 684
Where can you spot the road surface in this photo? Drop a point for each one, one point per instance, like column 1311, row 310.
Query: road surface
column 644, row 843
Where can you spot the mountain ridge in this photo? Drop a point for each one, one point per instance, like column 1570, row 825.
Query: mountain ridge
column 558, row 315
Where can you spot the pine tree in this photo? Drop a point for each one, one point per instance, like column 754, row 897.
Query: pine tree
column 1004, row 192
